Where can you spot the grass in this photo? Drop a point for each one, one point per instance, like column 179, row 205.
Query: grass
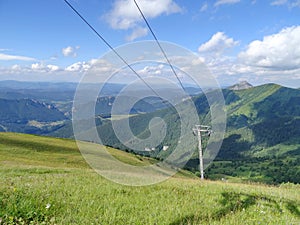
column 46, row 181
column 277, row 150
column 249, row 97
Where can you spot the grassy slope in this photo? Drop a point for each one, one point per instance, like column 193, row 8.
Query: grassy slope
column 46, row 180
column 250, row 96
column 264, row 137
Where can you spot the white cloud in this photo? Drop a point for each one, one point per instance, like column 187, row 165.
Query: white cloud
column 40, row 67
column 279, row 2
column 70, row 51
column 78, row 67
column 4, row 49
column 204, row 7
column 198, row 61
column 226, row 2
column 218, row 43
column 42, row 71
column 95, row 65
column 274, row 58
column 290, row 4
column 125, row 15
column 102, row 65
column 16, row 67
column 36, row 66
column 295, row 4
column 279, row 51
column 53, row 67
column 136, row 33
column 7, row 57
column 150, row 71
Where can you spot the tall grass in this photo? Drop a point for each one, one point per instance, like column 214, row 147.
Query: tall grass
column 34, row 192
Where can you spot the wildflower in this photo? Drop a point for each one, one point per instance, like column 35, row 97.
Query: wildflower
column 48, row 206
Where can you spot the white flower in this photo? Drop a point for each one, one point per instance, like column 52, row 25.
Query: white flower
column 48, row 206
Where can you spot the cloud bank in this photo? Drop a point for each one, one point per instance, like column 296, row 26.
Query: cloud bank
column 279, row 51
column 124, row 14
column 70, row 51
column 7, row 57
column 226, row 2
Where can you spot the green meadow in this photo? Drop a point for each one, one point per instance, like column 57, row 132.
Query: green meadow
column 46, row 181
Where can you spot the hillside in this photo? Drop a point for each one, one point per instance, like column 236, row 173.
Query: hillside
column 29, row 116
column 52, row 152
column 46, row 181
column 262, row 134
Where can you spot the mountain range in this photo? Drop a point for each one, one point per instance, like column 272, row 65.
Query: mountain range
column 261, row 143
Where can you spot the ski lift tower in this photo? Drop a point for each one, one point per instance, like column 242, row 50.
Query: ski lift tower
column 200, row 130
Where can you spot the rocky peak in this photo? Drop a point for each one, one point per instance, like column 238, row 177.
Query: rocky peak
column 240, row 86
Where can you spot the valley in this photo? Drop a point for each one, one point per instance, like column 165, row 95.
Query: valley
column 262, row 134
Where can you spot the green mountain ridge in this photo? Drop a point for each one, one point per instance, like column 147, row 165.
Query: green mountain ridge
column 28, row 116
column 262, row 134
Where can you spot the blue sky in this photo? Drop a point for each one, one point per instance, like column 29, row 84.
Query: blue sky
column 258, row 41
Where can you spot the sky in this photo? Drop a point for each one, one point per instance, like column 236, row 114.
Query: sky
column 253, row 40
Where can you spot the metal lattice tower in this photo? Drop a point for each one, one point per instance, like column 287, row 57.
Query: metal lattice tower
column 200, row 130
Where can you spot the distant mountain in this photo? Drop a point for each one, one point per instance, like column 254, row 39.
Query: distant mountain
column 104, row 105
column 17, row 85
column 29, row 116
column 61, row 94
column 240, row 86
